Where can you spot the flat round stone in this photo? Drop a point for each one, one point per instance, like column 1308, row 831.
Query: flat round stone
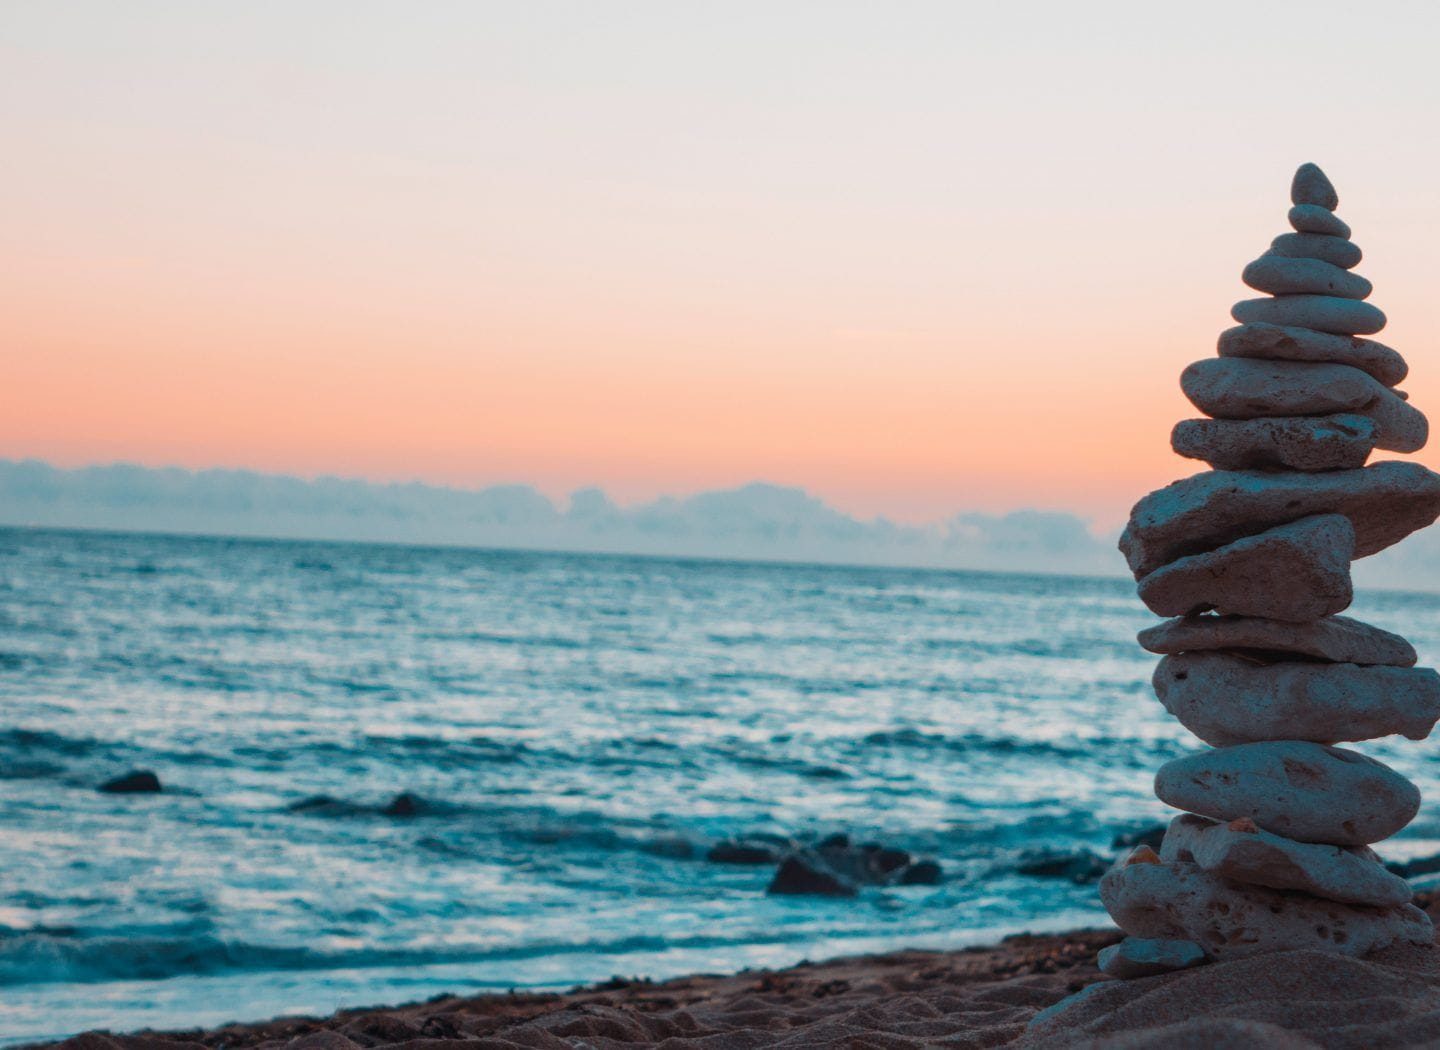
column 1338, row 442
column 1283, row 343
column 1385, row 502
column 1335, row 250
column 1228, row 699
column 1141, row 957
column 1338, row 639
column 1311, row 218
column 1230, row 920
column 1241, row 852
column 1280, row 275
column 1250, row 388
column 1299, row 571
column 1303, row 791
column 1311, row 186
column 1324, row 313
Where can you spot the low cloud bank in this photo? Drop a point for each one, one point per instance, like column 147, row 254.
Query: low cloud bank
column 758, row 521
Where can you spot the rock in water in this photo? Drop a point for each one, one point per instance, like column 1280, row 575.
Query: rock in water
column 1293, row 788
column 1338, row 639
column 1299, row 571
column 1225, row 699
column 1324, row 313
column 1282, row 275
column 1245, row 388
column 1139, row 957
column 136, row 782
column 1338, row 442
column 1311, row 218
column 1385, row 502
column 1241, row 852
column 1311, row 186
column 1281, row 343
column 1335, row 250
column 1229, row 920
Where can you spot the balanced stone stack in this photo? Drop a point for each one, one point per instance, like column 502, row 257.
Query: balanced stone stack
column 1252, row 559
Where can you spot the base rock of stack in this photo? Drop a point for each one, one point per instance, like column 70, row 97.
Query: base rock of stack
column 1273, row 342
column 1299, row 571
column 1324, row 313
column 1241, row 852
column 1225, row 699
column 1301, row 790
column 1385, row 502
column 1142, row 957
column 1180, row 901
column 1336, row 250
column 1338, row 639
column 1339, row 442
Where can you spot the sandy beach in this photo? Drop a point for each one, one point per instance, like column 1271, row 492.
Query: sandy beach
column 977, row 997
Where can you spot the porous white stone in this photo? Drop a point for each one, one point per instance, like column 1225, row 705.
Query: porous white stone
column 1311, row 186
column 1282, row 343
column 1338, row 639
column 1281, row 275
column 1242, row 852
column 1385, row 502
column 1231, row 699
column 1311, row 218
column 1337, row 442
column 1336, row 250
column 1324, row 313
column 1230, row 920
column 1299, row 571
column 1305, row 791
column 1144, row 957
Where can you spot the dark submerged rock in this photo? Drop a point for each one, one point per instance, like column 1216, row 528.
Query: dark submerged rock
column 1082, row 865
column 807, row 873
column 136, row 782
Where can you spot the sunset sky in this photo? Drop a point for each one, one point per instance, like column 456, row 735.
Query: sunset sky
column 914, row 257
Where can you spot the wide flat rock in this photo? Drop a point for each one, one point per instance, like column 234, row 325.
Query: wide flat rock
column 1324, row 313
column 1338, row 639
column 1336, row 442
column 1226, row 699
column 1293, row 788
column 1298, row 571
column 1283, row 275
column 1229, row 920
column 1248, row 388
column 1336, row 250
column 1287, row 343
column 1241, row 852
column 1140, row 957
column 1385, row 502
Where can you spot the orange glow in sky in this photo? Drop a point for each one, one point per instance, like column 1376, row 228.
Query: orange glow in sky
column 915, row 262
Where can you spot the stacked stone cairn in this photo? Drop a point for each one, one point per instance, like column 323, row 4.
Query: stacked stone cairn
column 1252, row 560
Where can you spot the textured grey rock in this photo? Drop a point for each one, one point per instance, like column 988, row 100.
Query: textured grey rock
column 1229, row 920
column 1293, row 788
column 1311, row 218
column 1324, row 313
column 1279, row 343
column 1311, row 186
column 1338, row 639
column 1336, row 250
column 1141, row 957
column 1230, row 699
column 1280, row 275
column 1240, row 851
column 1400, row 426
column 1339, row 442
column 1385, row 502
column 1299, row 571
column 1248, row 388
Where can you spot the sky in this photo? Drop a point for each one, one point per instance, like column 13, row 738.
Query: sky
column 916, row 258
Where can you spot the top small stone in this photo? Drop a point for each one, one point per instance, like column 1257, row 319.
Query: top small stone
column 1310, row 186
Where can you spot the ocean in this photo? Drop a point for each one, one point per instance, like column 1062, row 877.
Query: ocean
column 574, row 733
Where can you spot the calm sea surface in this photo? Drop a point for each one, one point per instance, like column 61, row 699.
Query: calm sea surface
column 581, row 729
